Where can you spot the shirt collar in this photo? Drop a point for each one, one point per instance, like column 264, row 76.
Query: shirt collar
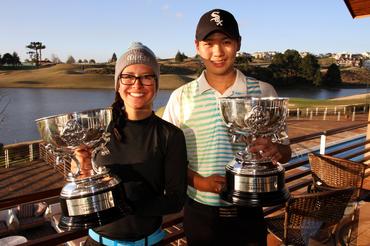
column 239, row 84
column 203, row 83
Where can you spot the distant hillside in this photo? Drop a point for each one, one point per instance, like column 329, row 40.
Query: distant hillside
column 57, row 76
column 75, row 77
column 355, row 75
column 100, row 76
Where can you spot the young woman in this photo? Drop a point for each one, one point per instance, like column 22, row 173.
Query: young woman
column 146, row 152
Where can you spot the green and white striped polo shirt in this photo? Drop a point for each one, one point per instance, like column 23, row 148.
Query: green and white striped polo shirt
column 207, row 139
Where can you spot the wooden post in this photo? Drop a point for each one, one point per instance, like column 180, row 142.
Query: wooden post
column 30, row 147
column 338, row 119
column 317, row 111
column 297, row 113
column 367, row 138
column 322, row 144
column 6, row 153
column 311, row 113
column 325, row 111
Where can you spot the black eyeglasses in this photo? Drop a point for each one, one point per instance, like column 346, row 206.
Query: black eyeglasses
column 129, row 79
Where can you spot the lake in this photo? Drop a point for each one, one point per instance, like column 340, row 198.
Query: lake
column 28, row 104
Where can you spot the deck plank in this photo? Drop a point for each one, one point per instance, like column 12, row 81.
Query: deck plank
column 27, row 178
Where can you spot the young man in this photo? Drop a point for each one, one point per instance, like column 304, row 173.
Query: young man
column 208, row 220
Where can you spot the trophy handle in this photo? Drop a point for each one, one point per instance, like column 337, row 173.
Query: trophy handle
column 98, row 169
column 77, row 172
column 60, row 158
column 280, row 135
column 104, row 151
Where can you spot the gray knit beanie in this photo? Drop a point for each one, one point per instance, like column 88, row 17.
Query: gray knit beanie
column 136, row 54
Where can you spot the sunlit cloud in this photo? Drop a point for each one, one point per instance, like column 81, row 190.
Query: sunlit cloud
column 179, row 15
column 165, row 7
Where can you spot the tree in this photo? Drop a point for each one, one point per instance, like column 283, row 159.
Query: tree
column 243, row 60
column 114, row 58
column 33, row 56
column 55, row 59
column 7, row 59
column 260, row 73
column 92, row 61
column 86, row 61
column 79, row 61
column 70, row 60
column 292, row 62
column 197, row 57
column 285, row 68
column 36, row 55
column 317, row 80
column 16, row 59
column 180, row 57
column 332, row 76
column 310, row 69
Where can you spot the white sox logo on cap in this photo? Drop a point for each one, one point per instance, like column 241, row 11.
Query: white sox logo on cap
column 216, row 18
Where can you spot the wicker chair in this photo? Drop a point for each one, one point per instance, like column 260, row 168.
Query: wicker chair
column 332, row 172
column 307, row 216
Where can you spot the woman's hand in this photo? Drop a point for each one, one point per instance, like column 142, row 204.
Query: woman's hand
column 83, row 155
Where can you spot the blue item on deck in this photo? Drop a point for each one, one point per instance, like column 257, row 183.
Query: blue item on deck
column 153, row 238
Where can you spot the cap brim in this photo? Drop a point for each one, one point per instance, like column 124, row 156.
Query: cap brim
column 204, row 35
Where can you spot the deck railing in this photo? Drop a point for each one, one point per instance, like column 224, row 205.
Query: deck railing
column 14, row 154
column 338, row 112
column 64, row 167
column 297, row 177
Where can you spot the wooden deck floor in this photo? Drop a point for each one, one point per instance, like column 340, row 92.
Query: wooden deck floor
column 39, row 176
column 28, row 178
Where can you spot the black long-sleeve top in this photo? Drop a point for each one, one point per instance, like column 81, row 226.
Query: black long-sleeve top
column 151, row 162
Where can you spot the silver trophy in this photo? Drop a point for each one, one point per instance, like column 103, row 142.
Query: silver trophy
column 88, row 199
column 252, row 180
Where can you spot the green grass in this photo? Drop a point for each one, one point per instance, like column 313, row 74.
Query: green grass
column 310, row 103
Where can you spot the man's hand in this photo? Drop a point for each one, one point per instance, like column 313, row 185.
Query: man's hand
column 266, row 148
column 213, row 183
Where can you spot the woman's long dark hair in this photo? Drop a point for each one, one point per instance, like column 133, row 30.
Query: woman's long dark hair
column 119, row 118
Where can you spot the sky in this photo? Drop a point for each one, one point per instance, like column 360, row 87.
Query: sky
column 95, row 29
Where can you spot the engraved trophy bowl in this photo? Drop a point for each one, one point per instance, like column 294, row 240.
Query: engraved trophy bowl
column 253, row 180
column 88, row 200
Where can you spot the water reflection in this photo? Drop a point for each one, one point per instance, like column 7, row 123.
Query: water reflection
column 29, row 104
column 26, row 105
